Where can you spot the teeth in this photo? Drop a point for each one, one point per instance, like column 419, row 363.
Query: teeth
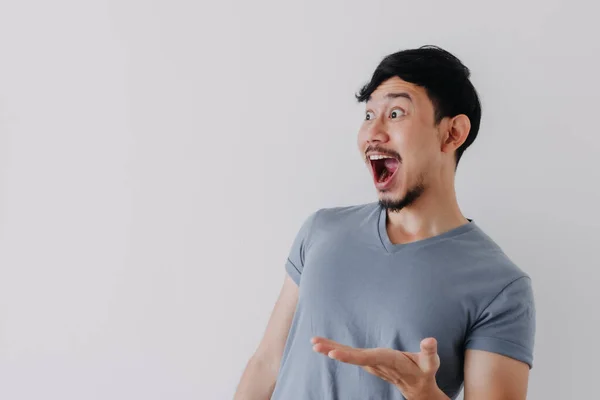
column 378, row 157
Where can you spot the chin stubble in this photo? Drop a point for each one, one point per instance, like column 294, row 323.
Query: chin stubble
column 395, row 205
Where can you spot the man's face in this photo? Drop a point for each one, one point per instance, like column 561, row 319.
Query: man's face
column 399, row 142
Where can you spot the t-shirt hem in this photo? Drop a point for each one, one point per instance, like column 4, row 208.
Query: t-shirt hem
column 293, row 272
column 503, row 347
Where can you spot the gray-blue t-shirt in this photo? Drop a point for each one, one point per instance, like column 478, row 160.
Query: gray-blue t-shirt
column 360, row 289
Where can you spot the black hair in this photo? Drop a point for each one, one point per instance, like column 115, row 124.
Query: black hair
column 445, row 79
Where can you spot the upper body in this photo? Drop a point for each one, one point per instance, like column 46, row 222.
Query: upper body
column 359, row 288
column 380, row 290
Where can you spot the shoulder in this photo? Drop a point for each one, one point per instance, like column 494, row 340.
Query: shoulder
column 492, row 259
column 343, row 216
column 341, row 223
column 489, row 271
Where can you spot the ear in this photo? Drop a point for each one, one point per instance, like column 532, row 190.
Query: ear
column 458, row 131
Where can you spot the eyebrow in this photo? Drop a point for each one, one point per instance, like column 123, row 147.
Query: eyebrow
column 396, row 95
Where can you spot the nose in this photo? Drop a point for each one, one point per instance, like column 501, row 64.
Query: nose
column 375, row 132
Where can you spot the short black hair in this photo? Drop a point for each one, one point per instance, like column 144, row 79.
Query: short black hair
column 445, row 79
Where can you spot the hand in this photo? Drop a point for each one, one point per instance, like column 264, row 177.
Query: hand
column 412, row 373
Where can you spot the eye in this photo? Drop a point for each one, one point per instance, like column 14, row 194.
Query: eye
column 369, row 115
column 396, row 112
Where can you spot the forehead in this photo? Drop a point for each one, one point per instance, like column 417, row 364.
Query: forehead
column 396, row 85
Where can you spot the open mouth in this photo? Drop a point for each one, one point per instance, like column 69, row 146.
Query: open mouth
column 383, row 167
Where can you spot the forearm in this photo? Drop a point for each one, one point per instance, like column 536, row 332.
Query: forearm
column 257, row 382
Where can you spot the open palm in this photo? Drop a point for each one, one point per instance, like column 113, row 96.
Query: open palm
column 412, row 373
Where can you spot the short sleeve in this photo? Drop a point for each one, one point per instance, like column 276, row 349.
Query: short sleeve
column 295, row 261
column 507, row 325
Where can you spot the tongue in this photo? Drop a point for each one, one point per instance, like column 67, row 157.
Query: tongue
column 391, row 164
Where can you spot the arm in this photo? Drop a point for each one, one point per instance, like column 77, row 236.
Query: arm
column 499, row 347
column 260, row 375
column 491, row 376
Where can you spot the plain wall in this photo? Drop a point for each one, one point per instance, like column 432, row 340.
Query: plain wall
column 158, row 157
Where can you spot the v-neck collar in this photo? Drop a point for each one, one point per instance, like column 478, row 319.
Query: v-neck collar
column 392, row 248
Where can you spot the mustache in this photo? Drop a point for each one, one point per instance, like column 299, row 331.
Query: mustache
column 382, row 150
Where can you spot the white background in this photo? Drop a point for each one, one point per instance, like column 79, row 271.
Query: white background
column 158, row 157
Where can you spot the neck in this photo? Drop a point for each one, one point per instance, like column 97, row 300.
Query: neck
column 436, row 211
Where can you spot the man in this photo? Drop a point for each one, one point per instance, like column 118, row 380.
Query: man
column 404, row 297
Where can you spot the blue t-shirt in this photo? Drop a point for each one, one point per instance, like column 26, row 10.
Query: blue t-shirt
column 362, row 290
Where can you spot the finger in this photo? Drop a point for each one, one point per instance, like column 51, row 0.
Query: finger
column 329, row 342
column 350, row 356
column 429, row 345
column 429, row 361
column 323, row 348
column 324, row 345
column 363, row 357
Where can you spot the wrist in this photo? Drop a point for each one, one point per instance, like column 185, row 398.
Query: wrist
column 429, row 392
column 436, row 394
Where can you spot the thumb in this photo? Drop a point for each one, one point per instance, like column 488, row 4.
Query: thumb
column 429, row 361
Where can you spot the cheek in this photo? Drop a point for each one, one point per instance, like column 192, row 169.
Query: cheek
column 416, row 142
column 415, row 151
column 421, row 159
column 405, row 145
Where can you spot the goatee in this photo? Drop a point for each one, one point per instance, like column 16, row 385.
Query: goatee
column 395, row 205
